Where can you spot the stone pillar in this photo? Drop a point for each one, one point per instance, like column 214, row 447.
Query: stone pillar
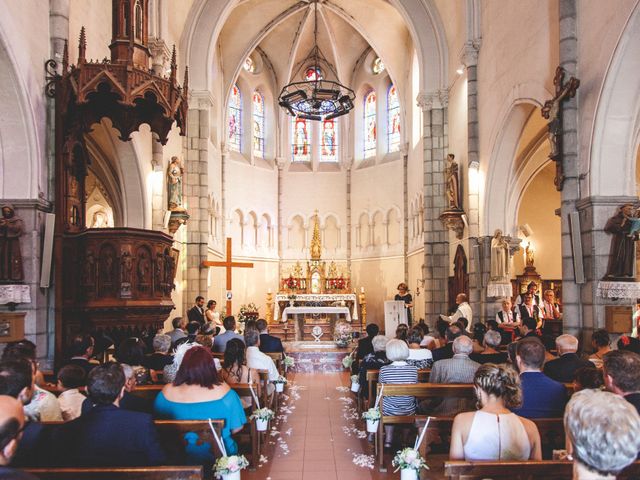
column 280, row 162
column 348, row 165
column 196, row 185
column 224, row 164
column 158, row 199
column 59, row 28
column 160, row 55
column 405, row 212
column 573, row 321
column 436, row 235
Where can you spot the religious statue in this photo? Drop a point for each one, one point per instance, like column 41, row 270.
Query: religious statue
column 175, row 174
column 89, row 270
column 100, row 219
column 333, row 270
column 126, row 266
column 622, row 256
column 11, row 229
column 499, row 258
column 144, row 267
column 297, row 270
column 453, row 183
column 169, row 266
column 159, row 271
column 528, row 255
column 316, row 246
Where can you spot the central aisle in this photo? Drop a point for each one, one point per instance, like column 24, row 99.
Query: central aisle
column 312, row 443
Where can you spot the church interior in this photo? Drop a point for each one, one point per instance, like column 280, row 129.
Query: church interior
column 344, row 194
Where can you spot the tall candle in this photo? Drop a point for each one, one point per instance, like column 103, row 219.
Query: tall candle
column 269, row 291
column 361, row 289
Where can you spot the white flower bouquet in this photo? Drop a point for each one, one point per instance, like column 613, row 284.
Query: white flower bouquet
column 372, row 416
column 230, row 467
column 262, row 417
column 355, row 383
column 410, row 461
column 288, row 362
column 342, row 334
column 347, row 361
column 280, row 382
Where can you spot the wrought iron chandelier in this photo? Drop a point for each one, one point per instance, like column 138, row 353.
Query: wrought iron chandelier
column 316, row 98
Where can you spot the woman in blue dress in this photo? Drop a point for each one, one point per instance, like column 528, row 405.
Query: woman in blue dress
column 199, row 393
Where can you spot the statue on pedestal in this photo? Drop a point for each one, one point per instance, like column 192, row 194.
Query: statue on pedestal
column 175, row 172
column 622, row 256
column 11, row 229
column 499, row 258
column 453, row 183
column 529, row 255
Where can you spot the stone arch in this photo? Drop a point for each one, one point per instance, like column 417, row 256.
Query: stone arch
column 363, row 230
column 379, row 234
column 331, row 232
column 264, row 232
column 617, row 119
column 251, row 230
column 394, row 219
column 237, row 228
column 19, row 146
column 296, row 240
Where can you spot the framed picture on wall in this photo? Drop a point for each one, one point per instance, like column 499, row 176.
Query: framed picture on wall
column 11, row 326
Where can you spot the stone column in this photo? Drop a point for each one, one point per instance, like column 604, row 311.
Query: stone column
column 158, row 200
column 348, row 165
column 196, row 185
column 405, row 208
column 436, row 235
column 224, row 159
column 280, row 162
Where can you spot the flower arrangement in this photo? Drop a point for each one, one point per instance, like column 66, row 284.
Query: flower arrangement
column 337, row 283
column 262, row 414
column 229, row 465
column 280, row 382
column 355, row 383
column 409, row 459
column 288, row 362
column 372, row 414
column 342, row 334
column 347, row 361
column 291, row 283
column 247, row 312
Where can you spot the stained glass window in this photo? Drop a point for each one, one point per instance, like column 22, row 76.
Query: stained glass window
column 329, row 141
column 258, row 125
column 377, row 66
column 235, row 119
column 393, row 116
column 301, row 140
column 370, row 127
column 313, row 73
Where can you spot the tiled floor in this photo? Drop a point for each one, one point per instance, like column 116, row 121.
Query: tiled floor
column 319, row 449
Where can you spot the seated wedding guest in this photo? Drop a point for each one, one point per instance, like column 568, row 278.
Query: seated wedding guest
column 477, row 335
column 257, row 360
column 458, row 369
column 542, row 397
column 621, row 371
column 532, row 289
column 494, row 432
column 205, row 340
column 268, row 343
column 160, row 357
column 446, row 351
column 588, row 377
column 529, row 310
column 420, row 358
column 193, row 329
column 508, row 320
column 398, row 371
column 179, row 329
column 463, row 310
column 220, row 342
column 430, row 341
column 602, row 434
column 365, row 345
column 80, row 352
column 131, row 352
column 251, row 324
column 44, row 405
column 528, row 328
column 24, row 349
column 198, row 393
column 107, row 435
column 563, row 369
column 373, row 361
column 70, row 379
column 630, row 344
column 12, row 423
column 169, row 372
column 491, row 342
column 235, row 370
column 600, row 342
column 401, row 332
column 129, row 401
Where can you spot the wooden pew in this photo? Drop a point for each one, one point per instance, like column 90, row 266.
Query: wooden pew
column 544, row 470
column 278, row 358
column 372, row 380
column 186, row 472
column 171, row 434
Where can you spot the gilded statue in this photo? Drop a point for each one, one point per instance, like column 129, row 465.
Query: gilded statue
column 11, row 229
column 528, row 254
column 453, row 183
column 316, row 245
column 175, row 173
column 499, row 258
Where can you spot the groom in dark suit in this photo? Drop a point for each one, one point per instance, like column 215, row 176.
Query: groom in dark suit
column 268, row 343
column 107, row 435
column 196, row 313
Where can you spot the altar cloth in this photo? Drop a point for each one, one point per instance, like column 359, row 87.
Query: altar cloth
column 313, row 310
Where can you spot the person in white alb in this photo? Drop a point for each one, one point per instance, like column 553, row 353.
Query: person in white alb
column 258, row 360
column 550, row 310
column 463, row 311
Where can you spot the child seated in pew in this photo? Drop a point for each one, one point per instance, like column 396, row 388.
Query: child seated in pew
column 70, row 379
column 494, row 432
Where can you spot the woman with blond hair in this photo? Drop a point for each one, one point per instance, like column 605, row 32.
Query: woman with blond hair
column 493, row 432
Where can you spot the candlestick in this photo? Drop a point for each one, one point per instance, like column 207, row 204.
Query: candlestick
column 361, row 289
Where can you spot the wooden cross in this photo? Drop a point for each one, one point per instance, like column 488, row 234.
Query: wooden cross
column 552, row 111
column 228, row 264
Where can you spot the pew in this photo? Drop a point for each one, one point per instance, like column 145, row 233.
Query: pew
column 277, row 358
column 128, row 473
column 171, row 434
column 547, row 470
column 372, row 380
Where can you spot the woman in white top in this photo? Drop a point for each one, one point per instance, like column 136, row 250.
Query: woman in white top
column 493, row 432
column 421, row 358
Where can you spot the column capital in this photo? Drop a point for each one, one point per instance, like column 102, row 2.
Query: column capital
column 433, row 100
column 224, row 148
column 280, row 162
column 200, row 99
column 159, row 50
column 469, row 54
column 347, row 163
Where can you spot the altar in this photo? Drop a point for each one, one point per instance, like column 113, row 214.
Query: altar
column 312, row 299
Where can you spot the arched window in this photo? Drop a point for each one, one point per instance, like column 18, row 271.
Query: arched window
column 235, row 119
column 258, row 125
column 138, row 13
column 370, row 127
column 393, row 116
column 301, row 140
column 329, row 141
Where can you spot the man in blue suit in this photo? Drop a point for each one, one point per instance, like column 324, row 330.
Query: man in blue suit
column 108, row 435
column 268, row 343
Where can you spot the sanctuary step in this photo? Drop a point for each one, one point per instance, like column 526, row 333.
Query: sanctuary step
column 317, row 357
